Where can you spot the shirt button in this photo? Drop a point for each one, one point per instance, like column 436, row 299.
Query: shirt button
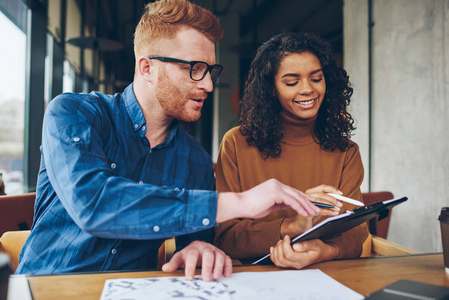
column 206, row 222
column 156, row 228
column 114, row 251
column 176, row 188
column 136, row 126
column 143, row 128
column 141, row 182
column 76, row 139
column 113, row 166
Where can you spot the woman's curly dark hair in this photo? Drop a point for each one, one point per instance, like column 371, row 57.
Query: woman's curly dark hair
column 260, row 110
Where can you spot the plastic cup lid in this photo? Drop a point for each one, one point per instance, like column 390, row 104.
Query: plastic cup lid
column 444, row 215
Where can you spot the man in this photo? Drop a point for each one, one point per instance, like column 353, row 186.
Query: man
column 118, row 175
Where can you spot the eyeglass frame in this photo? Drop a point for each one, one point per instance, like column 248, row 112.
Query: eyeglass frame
column 191, row 63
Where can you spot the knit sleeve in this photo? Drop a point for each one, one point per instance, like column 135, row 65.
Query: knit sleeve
column 241, row 238
column 350, row 242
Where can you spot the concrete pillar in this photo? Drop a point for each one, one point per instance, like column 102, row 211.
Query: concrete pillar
column 355, row 61
column 410, row 100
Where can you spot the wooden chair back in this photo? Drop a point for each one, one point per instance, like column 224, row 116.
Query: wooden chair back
column 384, row 247
column 378, row 228
column 11, row 243
column 166, row 251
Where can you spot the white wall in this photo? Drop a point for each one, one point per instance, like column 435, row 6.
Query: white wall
column 356, row 63
column 410, row 106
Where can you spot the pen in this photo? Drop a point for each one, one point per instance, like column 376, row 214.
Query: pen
column 346, row 199
column 323, row 205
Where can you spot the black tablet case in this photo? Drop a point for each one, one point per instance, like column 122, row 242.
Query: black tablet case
column 408, row 289
column 341, row 223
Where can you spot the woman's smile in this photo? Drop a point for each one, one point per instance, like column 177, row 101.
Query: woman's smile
column 306, row 104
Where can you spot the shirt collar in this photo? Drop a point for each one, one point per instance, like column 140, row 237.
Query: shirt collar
column 133, row 107
column 137, row 117
column 173, row 130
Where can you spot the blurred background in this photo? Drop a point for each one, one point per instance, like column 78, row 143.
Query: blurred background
column 396, row 53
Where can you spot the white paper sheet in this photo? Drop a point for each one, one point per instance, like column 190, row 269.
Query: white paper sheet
column 298, row 284
column 18, row 288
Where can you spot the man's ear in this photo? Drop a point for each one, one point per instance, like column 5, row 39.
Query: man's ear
column 145, row 68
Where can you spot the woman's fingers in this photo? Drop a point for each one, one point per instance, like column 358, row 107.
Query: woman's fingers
column 319, row 193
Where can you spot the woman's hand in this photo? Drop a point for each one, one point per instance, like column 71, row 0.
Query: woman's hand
column 299, row 224
column 302, row 254
column 320, row 194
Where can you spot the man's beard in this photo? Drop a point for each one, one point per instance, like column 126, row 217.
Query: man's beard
column 173, row 101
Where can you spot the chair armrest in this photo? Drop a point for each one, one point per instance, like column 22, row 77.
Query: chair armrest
column 385, row 247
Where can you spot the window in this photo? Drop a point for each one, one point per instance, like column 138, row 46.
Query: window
column 12, row 104
column 54, row 18
column 73, row 29
column 48, row 70
column 68, row 83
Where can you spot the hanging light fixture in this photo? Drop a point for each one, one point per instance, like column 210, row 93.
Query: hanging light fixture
column 93, row 42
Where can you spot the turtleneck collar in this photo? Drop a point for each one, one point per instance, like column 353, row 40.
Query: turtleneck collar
column 297, row 132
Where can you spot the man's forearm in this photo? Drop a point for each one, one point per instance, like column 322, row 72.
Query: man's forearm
column 228, row 207
column 259, row 201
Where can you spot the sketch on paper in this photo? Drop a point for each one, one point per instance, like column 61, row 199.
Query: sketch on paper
column 165, row 288
column 286, row 285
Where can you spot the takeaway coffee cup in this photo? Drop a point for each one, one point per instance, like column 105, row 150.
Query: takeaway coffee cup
column 5, row 271
column 444, row 223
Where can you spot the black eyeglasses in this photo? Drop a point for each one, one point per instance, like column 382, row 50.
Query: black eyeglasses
column 198, row 69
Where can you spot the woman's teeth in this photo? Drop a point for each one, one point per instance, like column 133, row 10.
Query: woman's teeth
column 306, row 102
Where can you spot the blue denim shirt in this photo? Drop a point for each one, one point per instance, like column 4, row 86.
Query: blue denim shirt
column 106, row 199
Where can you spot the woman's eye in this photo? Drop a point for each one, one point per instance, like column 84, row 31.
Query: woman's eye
column 291, row 83
column 317, row 79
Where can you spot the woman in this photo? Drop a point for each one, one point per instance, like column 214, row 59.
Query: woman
column 295, row 128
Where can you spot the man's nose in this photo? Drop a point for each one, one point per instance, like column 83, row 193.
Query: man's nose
column 206, row 83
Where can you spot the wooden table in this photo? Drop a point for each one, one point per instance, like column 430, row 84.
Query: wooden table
column 364, row 276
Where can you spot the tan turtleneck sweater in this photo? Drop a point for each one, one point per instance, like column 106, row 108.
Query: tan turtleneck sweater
column 302, row 165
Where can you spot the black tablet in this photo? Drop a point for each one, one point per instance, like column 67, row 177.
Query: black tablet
column 338, row 224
